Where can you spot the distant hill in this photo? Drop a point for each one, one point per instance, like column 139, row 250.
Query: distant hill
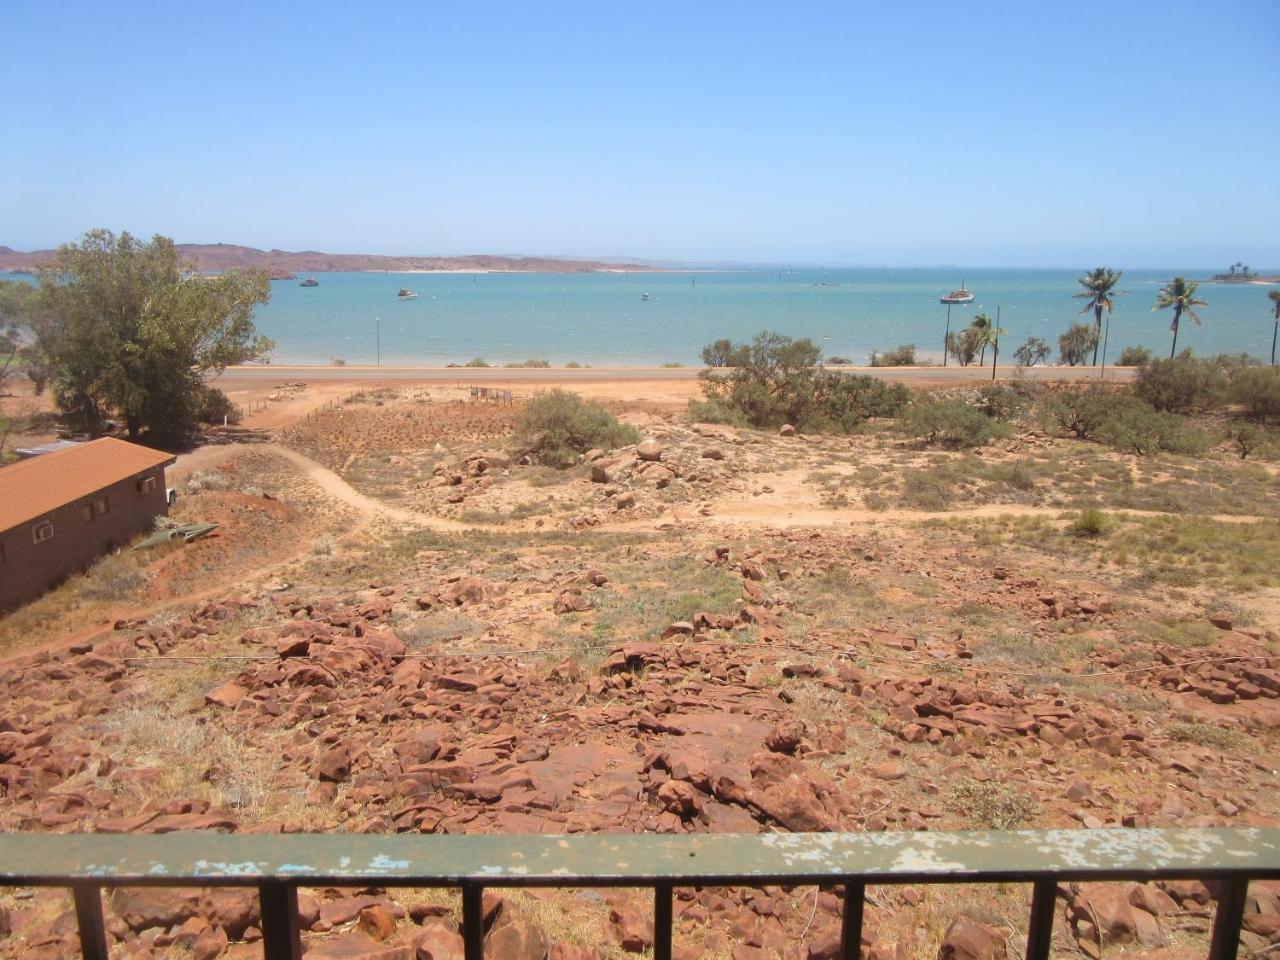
column 216, row 257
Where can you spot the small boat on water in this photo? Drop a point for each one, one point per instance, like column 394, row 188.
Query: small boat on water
column 406, row 294
column 310, row 282
column 962, row 295
column 645, row 296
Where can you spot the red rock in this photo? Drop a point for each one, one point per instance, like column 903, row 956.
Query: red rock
column 334, row 765
column 210, row 944
column 358, row 946
column 572, row 951
column 795, row 805
column 516, row 936
column 889, row 770
column 967, row 939
column 466, row 590
column 785, row 737
column 680, row 798
column 435, row 941
column 234, row 909
column 227, row 695
column 632, row 928
column 377, row 922
column 1152, row 899
column 1107, row 907
column 572, row 600
column 142, row 908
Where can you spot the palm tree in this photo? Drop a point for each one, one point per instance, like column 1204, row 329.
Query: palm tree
column 1275, row 312
column 1098, row 290
column 1180, row 294
column 981, row 323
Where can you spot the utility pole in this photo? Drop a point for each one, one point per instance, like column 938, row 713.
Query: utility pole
column 378, row 321
column 1106, row 335
column 946, row 340
column 995, row 346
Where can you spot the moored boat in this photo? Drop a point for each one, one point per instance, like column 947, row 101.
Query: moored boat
column 406, row 294
column 961, row 295
column 310, row 282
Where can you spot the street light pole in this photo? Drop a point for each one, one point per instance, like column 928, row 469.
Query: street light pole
column 946, row 340
column 378, row 321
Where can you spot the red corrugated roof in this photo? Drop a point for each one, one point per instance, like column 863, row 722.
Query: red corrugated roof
column 32, row 488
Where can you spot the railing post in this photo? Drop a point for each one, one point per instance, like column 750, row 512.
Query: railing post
column 279, row 905
column 93, row 932
column 1233, row 893
column 1044, row 897
column 851, row 920
column 473, row 921
column 662, row 922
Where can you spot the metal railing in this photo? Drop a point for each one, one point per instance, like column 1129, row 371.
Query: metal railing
column 278, row 864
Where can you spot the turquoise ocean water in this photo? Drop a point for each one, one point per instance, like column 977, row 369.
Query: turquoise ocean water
column 601, row 319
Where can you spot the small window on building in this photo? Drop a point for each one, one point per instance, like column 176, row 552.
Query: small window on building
column 42, row 532
column 87, row 512
column 146, row 484
column 102, row 506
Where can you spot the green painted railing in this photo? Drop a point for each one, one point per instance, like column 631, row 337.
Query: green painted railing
column 278, row 864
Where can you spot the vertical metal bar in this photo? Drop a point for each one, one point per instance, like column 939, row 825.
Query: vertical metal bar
column 662, row 922
column 1226, row 924
column 279, row 905
column 851, row 921
column 473, row 921
column 1044, row 897
column 93, row 932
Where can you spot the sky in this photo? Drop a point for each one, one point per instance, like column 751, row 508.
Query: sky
column 1137, row 134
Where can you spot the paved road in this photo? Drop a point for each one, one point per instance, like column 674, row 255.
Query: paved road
column 469, row 375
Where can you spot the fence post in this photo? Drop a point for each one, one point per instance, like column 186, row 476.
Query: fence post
column 279, row 905
column 1040, row 927
column 662, row 922
column 1233, row 893
column 93, row 932
column 851, row 920
column 473, row 921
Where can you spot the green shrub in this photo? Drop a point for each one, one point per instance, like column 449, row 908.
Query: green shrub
column 1139, row 429
column 904, row 356
column 1090, row 523
column 1247, row 438
column 216, row 405
column 1134, row 357
column 1257, row 390
column 1003, row 402
column 532, row 364
column 722, row 353
column 477, row 362
column 1182, row 384
column 950, row 423
column 716, row 411
column 559, row 426
column 1079, row 411
column 1016, row 474
column 775, row 380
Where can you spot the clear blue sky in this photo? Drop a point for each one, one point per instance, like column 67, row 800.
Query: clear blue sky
column 973, row 133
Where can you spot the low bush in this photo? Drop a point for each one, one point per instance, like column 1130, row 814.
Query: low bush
column 904, row 356
column 1182, row 384
column 716, row 411
column 531, row 364
column 1090, row 523
column 950, row 423
column 775, row 380
column 477, row 362
column 1257, row 391
column 1247, row 439
column 1134, row 357
column 1076, row 346
column 1139, row 429
column 215, row 406
column 559, row 426
column 1003, row 402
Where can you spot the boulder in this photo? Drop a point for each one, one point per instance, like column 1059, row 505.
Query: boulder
column 649, row 450
column 967, row 939
column 785, row 736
